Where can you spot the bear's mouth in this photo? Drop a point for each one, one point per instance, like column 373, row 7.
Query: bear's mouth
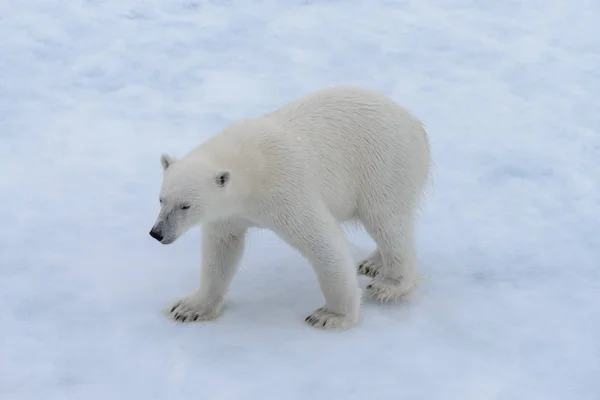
column 167, row 240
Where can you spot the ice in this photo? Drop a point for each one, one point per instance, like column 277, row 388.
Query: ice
column 92, row 92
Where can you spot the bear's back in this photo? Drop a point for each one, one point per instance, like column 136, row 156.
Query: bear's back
column 352, row 122
column 352, row 138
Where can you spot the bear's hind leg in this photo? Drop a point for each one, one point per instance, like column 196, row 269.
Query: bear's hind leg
column 398, row 274
column 314, row 232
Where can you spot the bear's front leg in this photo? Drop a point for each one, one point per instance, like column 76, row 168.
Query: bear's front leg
column 222, row 250
column 315, row 233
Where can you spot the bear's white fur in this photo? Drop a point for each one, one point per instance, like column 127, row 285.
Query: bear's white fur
column 337, row 155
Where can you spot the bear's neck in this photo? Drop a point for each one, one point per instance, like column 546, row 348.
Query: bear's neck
column 243, row 158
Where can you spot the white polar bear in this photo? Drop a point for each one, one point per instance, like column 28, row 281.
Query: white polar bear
column 337, row 155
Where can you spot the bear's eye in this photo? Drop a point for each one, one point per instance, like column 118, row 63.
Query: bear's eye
column 160, row 201
column 185, row 206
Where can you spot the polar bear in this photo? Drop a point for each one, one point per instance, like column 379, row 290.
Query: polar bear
column 342, row 154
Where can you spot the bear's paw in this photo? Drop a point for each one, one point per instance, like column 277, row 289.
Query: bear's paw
column 325, row 319
column 192, row 310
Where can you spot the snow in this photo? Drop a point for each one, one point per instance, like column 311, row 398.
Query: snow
column 91, row 92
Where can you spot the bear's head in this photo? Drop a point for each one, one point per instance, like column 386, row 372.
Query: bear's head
column 193, row 190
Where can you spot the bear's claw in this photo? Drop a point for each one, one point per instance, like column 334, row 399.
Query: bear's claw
column 370, row 266
column 188, row 310
column 324, row 319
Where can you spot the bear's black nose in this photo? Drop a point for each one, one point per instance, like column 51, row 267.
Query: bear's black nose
column 156, row 235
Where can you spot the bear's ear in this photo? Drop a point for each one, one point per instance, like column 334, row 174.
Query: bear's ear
column 166, row 160
column 222, row 177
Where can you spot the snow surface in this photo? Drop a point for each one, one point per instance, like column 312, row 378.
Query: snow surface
column 91, row 92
